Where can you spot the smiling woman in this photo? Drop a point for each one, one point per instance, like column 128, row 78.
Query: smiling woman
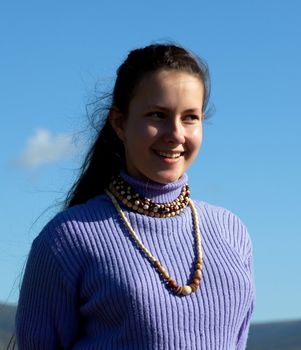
column 133, row 262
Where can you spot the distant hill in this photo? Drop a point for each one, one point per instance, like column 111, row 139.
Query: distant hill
column 263, row 336
column 7, row 317
column 284, row 335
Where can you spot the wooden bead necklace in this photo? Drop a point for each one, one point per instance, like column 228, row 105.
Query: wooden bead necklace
column 122, row 191
column 171, row 283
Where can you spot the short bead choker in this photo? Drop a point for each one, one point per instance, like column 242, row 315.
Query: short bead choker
column 124, row 193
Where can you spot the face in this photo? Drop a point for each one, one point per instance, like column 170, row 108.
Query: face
column 162, row 132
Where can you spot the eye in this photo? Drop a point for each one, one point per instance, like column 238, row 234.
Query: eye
column 191, row 117
column 156, row 115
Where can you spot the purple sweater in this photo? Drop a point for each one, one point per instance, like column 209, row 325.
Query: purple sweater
column 88, row 286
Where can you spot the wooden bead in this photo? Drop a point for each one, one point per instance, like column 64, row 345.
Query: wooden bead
column 165, row 274
column 157, row 263
column 172, row 283
column 193, row 287
column 178, row 290
column 197, row 273
column 186, row 290
column 196, row 281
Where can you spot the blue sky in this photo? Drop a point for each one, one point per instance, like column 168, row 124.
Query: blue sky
column 54, row 54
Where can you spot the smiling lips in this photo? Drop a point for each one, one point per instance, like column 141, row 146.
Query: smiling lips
column 170, row 155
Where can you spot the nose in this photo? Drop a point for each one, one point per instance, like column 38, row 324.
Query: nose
column 174, row 132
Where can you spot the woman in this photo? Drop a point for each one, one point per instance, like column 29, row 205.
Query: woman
column 133, row 262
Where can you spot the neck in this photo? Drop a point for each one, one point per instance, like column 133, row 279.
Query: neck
column 157, row 192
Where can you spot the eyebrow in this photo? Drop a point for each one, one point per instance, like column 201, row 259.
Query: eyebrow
column 190, row 110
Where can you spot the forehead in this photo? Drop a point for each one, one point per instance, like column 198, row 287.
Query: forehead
column 169, row 86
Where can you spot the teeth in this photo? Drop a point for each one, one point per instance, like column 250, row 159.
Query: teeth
column 169, row 155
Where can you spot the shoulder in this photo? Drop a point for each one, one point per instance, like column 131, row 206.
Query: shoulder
column 65, row 245
column 69, row 239
column 227, row 224
column 71, row 232
column 71, row 220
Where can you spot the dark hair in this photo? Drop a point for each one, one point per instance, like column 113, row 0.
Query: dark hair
column 106, row 156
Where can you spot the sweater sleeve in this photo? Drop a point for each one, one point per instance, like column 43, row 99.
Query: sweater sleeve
column 234, row 231
column 244, row 329
column 238, row 237
column 47, row 309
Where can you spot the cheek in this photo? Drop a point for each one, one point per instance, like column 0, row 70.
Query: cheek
column 139, row 138
column 141, row 134
column 195, row 139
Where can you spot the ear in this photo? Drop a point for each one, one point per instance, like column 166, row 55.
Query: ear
column 117, row 122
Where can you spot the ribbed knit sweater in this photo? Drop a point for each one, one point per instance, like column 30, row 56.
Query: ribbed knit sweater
column 88, row 286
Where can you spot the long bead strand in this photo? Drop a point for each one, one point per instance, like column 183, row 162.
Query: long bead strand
column 182, row 290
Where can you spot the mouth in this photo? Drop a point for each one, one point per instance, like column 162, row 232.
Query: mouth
column 169, row 154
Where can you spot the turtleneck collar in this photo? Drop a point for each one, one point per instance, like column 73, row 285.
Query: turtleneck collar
column 157, row 192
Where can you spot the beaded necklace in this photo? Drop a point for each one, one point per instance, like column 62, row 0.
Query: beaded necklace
column 122, row 191
column 171, row 283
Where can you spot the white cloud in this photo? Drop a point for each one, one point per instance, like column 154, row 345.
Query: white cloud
column 44, row 147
